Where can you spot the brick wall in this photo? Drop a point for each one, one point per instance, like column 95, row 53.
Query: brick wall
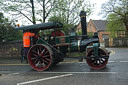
column 101, row 34
column 91, row 28
column 11, row 49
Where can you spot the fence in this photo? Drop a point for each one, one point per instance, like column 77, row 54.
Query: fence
column 11, row 49
column 116, row 42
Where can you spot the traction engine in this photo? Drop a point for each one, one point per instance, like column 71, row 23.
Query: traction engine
column 48, row 52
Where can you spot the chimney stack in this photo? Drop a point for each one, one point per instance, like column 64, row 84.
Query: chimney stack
column 83, row 23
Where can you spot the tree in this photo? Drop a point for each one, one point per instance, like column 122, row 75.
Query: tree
column 46, row 7
column 66, row 26
column 43, row 9
column 7, row 31
column 32, row 10
column 117, row 13
column 67, row 12
column 114, row 25
column 19, row 9
column 70, row 9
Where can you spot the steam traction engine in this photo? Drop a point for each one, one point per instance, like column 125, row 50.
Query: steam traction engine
column 47, row 52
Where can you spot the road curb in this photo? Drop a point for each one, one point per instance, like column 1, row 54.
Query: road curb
column 12, row 64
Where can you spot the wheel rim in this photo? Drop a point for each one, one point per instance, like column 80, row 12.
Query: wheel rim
column 57, row 33
column 39, row 57
column 97, row 63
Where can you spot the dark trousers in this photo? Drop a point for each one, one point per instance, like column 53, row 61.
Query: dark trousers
column 26, row 51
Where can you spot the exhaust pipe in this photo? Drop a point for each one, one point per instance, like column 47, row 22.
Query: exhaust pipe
column 83, row 24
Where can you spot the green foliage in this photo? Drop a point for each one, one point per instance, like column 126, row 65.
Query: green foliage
column 46, row 32
column 114, row 24
column 68, row 9
column 66, row 26
column 90, row 34
column 117, row 14
column 7, row 31
column 67, row 12
column 79, row 32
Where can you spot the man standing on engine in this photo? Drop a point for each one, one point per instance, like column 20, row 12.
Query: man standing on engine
column 27, row 41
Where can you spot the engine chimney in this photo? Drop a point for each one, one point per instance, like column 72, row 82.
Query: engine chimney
column 83, row 23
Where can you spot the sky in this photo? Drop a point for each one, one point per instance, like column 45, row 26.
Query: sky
column 97, row 9
column 94, row 15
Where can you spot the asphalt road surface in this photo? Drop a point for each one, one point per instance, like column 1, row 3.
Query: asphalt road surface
column 69, row 73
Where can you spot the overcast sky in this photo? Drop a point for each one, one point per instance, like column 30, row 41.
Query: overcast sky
column 97, row 9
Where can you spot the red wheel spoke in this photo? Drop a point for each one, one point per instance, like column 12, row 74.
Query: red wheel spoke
column 35, row 55
column 101, row 62
column 43, row 51
column 36, row 60
column 39, row 57
column 46, row 56
column 33, row 58
column 43, row 64
column 97, row 63
column 47, row 59
column 37, row 64
column 34, row 51
column 46, row 52
column 38, row 51
column 40, row 48
column 93, row 60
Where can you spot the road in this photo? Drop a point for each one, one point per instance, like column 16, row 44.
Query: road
column 70, row 73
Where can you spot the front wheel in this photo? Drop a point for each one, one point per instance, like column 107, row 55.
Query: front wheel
column 97, row 63
column 40, row 57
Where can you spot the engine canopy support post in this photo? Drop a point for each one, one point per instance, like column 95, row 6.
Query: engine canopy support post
column 95, row 47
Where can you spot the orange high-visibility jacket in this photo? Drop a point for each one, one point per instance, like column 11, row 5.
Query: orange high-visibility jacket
column 26, row 38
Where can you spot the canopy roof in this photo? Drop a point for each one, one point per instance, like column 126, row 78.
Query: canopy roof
column 42, row 26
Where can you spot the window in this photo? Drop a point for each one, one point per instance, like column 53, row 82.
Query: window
column 90, row 27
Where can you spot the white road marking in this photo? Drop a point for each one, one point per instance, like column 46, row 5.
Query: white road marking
column 111, row 61
column 85, row 62
column 81, row 62
column 81, row 72
column 123, row 61
column 13, row 74
column 54, row 77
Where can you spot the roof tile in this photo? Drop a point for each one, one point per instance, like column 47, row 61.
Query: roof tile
column 100, row 25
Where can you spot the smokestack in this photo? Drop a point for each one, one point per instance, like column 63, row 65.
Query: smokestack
column 83, row 22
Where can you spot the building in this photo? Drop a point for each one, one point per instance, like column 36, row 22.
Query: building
column 99, row 26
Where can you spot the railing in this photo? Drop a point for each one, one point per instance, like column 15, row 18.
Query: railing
column 116, row 42
column 121, row 34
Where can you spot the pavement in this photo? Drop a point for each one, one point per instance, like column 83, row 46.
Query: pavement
column 10, row 60
column 16, row 60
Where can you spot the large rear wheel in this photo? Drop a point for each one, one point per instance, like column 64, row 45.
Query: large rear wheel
column 97, row 63
column 40, row 57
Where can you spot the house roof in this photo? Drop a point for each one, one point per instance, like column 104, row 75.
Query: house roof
column 100, row 25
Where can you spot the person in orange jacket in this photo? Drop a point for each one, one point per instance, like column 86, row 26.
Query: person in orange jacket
column 27, row 41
